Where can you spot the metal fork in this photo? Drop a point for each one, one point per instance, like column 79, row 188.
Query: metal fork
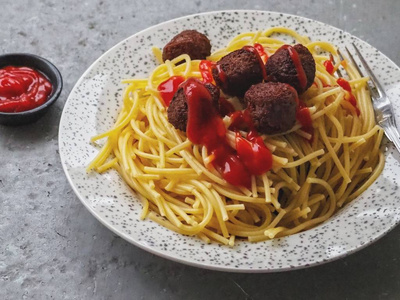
column 383, row 109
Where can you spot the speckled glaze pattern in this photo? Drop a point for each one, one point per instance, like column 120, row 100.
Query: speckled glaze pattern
column 96, row 99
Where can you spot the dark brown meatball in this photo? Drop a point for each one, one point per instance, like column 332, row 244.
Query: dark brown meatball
column 272, row 106
column 190, row 42
column 281, row 68
column 178, row 108
column 237, row 71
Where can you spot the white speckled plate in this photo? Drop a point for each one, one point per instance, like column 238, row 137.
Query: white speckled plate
column 92, row 108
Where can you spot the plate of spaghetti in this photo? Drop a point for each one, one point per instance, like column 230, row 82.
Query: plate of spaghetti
column 237, row 141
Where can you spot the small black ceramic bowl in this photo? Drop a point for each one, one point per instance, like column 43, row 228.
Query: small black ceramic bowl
column 43, row 66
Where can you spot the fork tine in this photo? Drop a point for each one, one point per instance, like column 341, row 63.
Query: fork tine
column 341, row 58
column 353, row 61
column 340, row 55
column 371, row 75
column 373, row 92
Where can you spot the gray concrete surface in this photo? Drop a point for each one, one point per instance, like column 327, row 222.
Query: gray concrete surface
column 50, row 245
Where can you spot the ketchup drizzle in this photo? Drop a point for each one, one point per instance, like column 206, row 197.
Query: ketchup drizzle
column 251, row 150
column 260, row 61
column 350, row 97
column 221, row 75
column 206, row 127
column 241, row 120
column 304, row 117
column 261, row 52
column 301, row 75
column 329, row 66
column 205, row 67
column 169, row 87
column 225, row 107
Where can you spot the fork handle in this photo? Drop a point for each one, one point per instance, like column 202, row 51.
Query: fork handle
column 391, row 131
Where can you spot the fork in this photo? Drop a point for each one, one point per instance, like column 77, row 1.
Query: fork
column 383, row 109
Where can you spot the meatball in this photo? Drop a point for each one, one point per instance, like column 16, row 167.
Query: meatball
column 281, row 67
column 272, row 106
column 190, row 42
column 237, row 71
column 178, row 108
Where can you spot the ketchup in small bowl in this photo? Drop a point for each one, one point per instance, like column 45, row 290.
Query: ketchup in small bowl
column 29, row 85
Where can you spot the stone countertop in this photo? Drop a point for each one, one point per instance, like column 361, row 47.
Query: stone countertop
column 51, row 247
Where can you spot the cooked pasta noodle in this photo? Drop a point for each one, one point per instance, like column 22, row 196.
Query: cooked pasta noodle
column 308, row 182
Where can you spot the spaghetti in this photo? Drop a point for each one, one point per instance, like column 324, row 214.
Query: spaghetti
column 308, row 182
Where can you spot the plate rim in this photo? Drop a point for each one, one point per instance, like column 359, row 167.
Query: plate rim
column 166, row 254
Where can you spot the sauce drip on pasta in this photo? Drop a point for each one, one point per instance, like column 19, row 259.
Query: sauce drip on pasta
column 168, row 88
column 350, row 97
column 206, row 127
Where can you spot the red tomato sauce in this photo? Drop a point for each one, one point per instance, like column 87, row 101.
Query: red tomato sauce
column 241, row 120
column 168, row 88
column 261, row 52
column 304, row 117
column 205, row 67
column 301, row 75
column 251, row 150
column 225, row 107
column 222, row 75
column 329, row 66
column 22, row 89
column 206, row 127
column 253, row 153
column 349, row 97
column 257, row 53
